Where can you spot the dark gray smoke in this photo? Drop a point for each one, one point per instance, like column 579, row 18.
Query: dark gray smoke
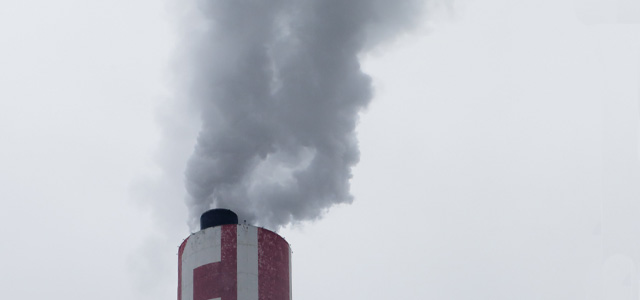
column 279, row 87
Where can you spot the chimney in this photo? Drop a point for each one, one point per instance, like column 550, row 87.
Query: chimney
column 229, row 261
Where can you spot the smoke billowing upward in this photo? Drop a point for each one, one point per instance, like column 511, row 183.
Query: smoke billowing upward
column 279, row 88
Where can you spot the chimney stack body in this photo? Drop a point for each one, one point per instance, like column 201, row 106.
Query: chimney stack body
column 229, row 261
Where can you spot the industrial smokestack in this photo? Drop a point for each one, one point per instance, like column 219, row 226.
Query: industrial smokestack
column 228, row 261
column 279, row 87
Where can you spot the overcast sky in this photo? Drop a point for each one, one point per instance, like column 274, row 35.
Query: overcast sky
column 499, row 157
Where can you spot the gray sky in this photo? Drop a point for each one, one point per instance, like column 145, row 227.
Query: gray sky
column 499, row 157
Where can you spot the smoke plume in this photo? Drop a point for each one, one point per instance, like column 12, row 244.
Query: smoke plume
column 279, row 87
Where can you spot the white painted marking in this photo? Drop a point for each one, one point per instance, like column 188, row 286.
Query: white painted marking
column 203, row 248
column 247, row 262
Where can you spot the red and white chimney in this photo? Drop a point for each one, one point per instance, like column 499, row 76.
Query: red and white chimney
column 228, row 261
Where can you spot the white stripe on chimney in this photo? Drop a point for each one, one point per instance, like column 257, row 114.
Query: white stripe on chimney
column 209, row 242
column 247, row 262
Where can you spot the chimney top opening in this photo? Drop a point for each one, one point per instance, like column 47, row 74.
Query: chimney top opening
column 217, row 217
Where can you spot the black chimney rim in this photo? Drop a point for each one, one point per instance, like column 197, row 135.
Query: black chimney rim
column 217, row 217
